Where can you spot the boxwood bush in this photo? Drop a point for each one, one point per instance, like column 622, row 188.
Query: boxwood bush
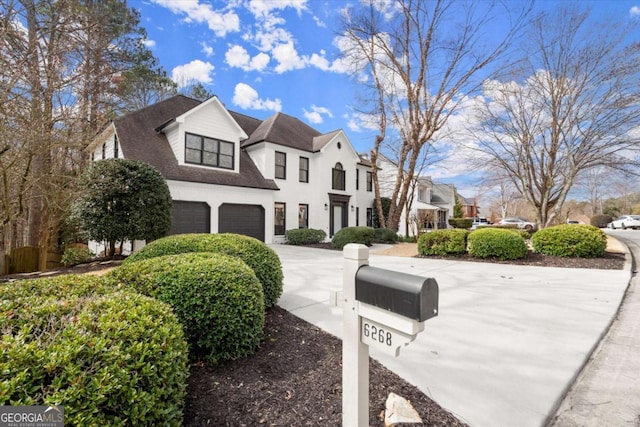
column 216, row 297
column 601, row 221
column 384, row 235
column 496, row 242
column 109, row 357
column 304, row 236
column 465, row 223
column 362, row 235
column 570, row 240
column 443, row 242
column 258, row 256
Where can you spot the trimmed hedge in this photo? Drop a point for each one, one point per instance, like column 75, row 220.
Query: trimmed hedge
column 384, row 235
column 362, row 235
column 495, row 242
column 601, row 221
column 443, row 242
column 216, row 297
column 465, row 223
column 304, row 236
column 109, row 357
column 258, row 256
column 570, row 240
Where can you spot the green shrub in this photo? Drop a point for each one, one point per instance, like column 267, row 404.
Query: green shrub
column 384, row 235
column 601, row 221
column 73, row 256
column 258, row 256
column 216, row 297
column 443, row 242
column 109, row 357
column 465, row 223
column 496, row 242
column 362, row 235
column 570, row 240
column 304, row 236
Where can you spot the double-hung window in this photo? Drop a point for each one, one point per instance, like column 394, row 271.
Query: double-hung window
column 201, row 150
column 337, row 177
column 279, row 219
column 115, row 146
column 303, row 216
column 369, row 181
column 281, row 165
column 304, row 169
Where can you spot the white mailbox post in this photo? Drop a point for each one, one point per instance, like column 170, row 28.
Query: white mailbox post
column 384, row 309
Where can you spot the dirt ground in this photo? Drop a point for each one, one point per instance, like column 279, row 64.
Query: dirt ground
column 294, row 379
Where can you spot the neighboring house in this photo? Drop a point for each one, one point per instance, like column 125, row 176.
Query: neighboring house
column 430, row 204
column 469, row 207
column 228, row 172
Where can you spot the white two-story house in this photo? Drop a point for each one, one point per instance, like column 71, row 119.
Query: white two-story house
column 429, row 206
column 228, row 172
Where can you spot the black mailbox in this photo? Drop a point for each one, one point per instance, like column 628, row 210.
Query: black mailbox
column 405, row 294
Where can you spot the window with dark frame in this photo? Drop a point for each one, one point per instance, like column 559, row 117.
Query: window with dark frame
column 104, row 151
column 357, row 179
column 281, row 165
column 201, row 150
column 369, row 181
column 279, row 219
column 304, row 169
column 369, row 217
column 337, row 177
column 357, row 216
column 303, row 216
column 115, row 146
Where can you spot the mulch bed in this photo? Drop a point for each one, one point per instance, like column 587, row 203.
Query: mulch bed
column 294, row 379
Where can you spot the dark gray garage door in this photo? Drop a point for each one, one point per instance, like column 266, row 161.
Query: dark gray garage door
column 241, row 219
column 190, row 217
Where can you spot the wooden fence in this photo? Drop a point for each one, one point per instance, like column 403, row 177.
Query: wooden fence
column 26, row 258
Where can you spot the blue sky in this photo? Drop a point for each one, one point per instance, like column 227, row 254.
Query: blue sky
column 263, row 56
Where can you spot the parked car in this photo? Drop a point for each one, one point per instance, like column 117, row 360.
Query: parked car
column 626, row 221
column 520, row 223
column 479, row 221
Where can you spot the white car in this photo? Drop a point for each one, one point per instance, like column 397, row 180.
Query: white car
column 520, row 223
column 626, row 221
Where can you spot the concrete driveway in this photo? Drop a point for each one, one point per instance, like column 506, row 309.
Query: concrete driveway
column 508, row 341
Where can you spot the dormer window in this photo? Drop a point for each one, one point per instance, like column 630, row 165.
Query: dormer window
column 337, row 177
column 200, row 150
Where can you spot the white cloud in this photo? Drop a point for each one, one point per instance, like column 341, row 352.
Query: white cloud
column 149, row 43
column 262, row 8
column 237, row 56
column 320, row 23
column 206, row 49
column 287, row 58
column 315, row 115
column 219, row 22
column 634, row 11
column 244, row 96
column 194, row 71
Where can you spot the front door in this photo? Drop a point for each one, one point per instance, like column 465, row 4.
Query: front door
column 338, row 217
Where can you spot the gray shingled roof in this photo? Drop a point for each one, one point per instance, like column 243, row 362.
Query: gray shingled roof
column 284, row 130
column 140, row 141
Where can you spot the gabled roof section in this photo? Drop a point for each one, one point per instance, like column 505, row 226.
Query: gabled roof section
column 140, row 141
column 247, row 123
column 214, row 102
column 284, row 130
column 320, row 141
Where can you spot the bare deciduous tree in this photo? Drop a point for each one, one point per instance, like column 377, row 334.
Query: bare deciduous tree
column 420, row 58
column 574, row 108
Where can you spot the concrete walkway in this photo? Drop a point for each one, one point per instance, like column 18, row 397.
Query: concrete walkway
column 607, row 392
column 508, row 342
